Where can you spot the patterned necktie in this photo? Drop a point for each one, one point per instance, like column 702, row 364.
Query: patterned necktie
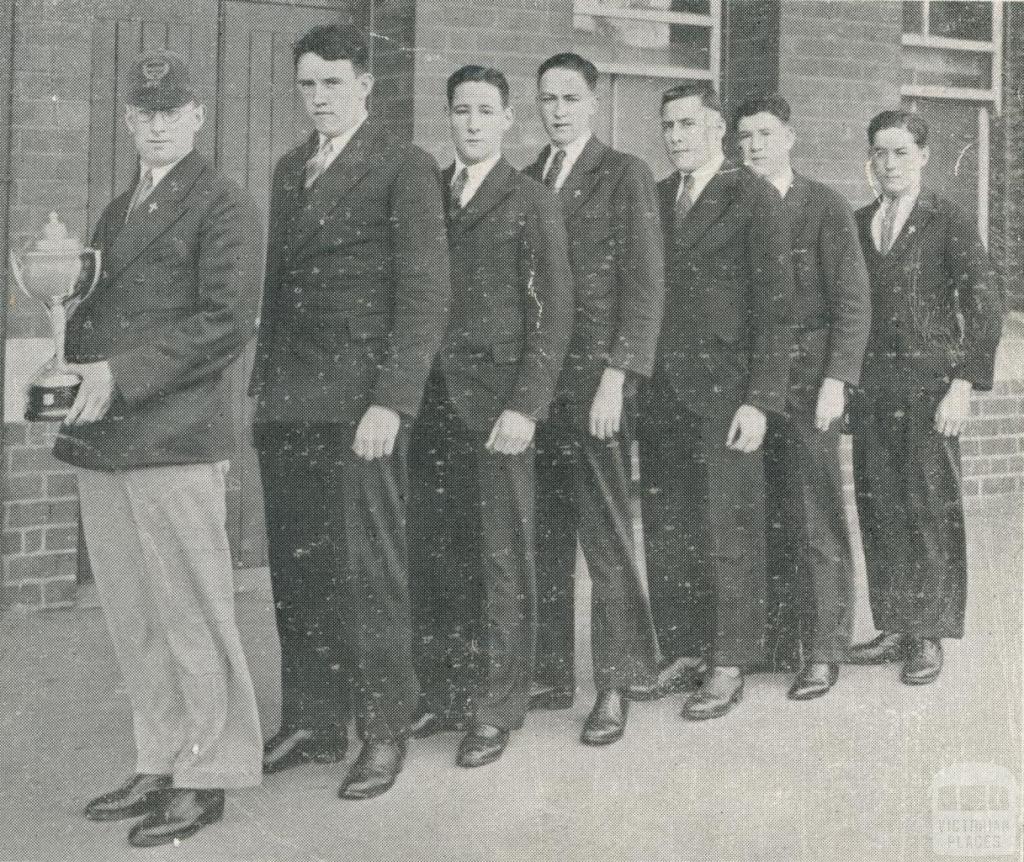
column 888, row 232
column 456, row 189
column 142, row 191
column 684, row 202
column 555, row 169
column 317, row 163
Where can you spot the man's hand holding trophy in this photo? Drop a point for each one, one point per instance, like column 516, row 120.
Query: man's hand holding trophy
column 60, row 273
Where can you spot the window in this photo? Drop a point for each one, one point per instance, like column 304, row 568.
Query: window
column 656, row 38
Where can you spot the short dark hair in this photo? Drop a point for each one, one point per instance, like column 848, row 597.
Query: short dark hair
column 898, row 119
column 762, row 103
column 706, row 91
column 479, row 75
column 572, row 62
column 335, row 42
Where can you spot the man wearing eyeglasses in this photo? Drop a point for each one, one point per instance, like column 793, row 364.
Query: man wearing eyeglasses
column 151, row 432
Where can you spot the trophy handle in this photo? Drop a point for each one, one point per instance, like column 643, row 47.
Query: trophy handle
column 17, row 273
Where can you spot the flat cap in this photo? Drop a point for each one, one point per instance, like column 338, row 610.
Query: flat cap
column 159, row 81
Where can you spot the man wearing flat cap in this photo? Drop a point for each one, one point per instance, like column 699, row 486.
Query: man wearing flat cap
column 150, row 433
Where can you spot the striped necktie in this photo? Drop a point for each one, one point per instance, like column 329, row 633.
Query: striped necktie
column 142, row 191
column 888, row 232
column 554, row 170
column 456, row 189
column 684, row 201
column 318, row 162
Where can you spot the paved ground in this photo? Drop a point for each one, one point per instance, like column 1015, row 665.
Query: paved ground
column 844, row 778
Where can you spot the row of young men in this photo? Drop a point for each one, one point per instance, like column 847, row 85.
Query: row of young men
column 499, row 307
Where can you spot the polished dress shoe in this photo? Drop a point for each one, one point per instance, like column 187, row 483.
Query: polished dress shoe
column 375, row 770
column 482, row 745
column 182, row 812
column 293, row 746
column 680, row 674
column 550, row 697
column 887, row 647
column 607, row 720
column 923, row 662
column 139, row 795
column 719, row 692
column 816, row 678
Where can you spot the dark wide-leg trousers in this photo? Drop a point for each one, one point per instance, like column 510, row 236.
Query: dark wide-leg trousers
column 704, row 518
column 338, row 562
column 810, row 573
column 583, row 490
column 907, row 479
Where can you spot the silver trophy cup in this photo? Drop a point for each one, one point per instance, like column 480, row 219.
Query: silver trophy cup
column 60, row 273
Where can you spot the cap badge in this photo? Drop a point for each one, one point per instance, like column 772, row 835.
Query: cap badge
column 154, row 71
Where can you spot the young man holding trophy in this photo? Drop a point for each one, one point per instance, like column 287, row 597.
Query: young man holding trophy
column 150, row 433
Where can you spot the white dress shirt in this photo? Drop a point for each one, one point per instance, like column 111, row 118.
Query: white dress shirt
column 904, row 204
column 476, row 174
column 572, row 154
column 701, row 177
column 784, row 182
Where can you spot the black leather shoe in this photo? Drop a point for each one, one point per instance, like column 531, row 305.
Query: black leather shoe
column 139, row 795
column 719, row 692
column 681, row 674
column 183, row 812
column 607, row 720
column 887, row 647
column 924, row 661
column 482, row 745
column 292, row 746
column 550, row 697
column 814, row 680
column 375, row 770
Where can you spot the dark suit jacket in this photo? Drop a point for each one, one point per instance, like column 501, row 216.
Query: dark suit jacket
column 726, row 336
column 616, row 250
column 936, row 268
column 512, row 299
column 175, row 302
column 831, row 309
column 357, row 283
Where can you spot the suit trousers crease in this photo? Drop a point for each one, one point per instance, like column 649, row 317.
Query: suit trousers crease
column 907, row 479
column 584, row 491
column 340, row 577
column 809, row 555
column 159, row 551
column 704, row 519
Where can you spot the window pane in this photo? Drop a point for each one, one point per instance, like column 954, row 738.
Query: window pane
column 943, row 67
column 695, row 7
column 653, row 43
column 913, row 16
column 960, row 20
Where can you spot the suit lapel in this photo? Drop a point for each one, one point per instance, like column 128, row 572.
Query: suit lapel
column 583, row 178
column 152, row 219
column 920, row 215
column 708, row 209
column 536, row 170
column 334, row 184
column 497, row 186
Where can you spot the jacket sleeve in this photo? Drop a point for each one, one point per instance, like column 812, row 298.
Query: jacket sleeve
column 640, row 265
column 980, row 300
column 422, row 283
column 771, row 295
column 848, row 288
column 549, row 302
column 204, row 343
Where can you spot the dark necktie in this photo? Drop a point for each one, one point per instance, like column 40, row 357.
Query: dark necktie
column 458, row 186
column 888, row 231
column 142, row 191
column 317, row 163
column 684, row 201
column 554, row 169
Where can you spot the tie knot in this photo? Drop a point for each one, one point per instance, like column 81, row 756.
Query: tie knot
column 688, row 181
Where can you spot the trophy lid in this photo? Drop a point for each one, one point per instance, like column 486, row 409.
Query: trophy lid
column 56, row 239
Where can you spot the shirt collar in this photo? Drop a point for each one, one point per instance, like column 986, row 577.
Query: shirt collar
column 158, row 173
column 573, row 150
column 339, row 142
column 478, row 171
column 707, row 170
column 905, row 201
column 784, row 182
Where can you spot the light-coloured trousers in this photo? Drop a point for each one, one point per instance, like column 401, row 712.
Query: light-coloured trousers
column 159, row 551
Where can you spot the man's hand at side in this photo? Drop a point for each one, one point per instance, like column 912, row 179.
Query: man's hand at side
column 746, row 434
column 512, row 433
column 376, row 433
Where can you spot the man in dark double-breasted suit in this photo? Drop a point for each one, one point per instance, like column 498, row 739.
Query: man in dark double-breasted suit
column 357, row 291
column 583, row 467
column 510, row 325
column 151, row 432
column 722, row 366
column 936, row 322
column 809, row 560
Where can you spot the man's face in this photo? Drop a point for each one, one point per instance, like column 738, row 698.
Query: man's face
column 566, row 104
column 164, row 137
column 897, row 161
column 478, row 121
column 765, row 142
column 333, row 93
column 693, row 134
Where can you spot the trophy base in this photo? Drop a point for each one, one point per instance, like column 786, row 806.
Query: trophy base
column 50, row 400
